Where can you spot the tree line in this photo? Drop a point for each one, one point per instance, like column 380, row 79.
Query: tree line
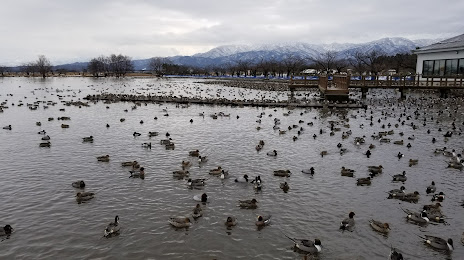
column 360, row 63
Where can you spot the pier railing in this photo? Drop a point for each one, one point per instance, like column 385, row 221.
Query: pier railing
column 413, row 81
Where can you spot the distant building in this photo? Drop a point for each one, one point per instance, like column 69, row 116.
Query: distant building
column 444, row 58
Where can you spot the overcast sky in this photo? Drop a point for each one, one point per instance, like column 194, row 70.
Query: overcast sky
column 69, row 31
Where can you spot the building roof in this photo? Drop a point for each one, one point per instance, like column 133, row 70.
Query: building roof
column 456, row 42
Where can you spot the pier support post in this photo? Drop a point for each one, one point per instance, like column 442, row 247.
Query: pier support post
column 364, row 92
column 403, row 96
column 444, row 93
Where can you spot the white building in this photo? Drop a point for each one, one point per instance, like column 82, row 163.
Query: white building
column 445, row 58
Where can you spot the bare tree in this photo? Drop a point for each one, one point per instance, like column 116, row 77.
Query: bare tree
column 2, row 70
column 157, row 65
column 98, row 65
column 325, row 61
column 370, row 60
column 43, row 65
column 243, row 66
column 291, row 63
column 357, row 63
column 120, row 64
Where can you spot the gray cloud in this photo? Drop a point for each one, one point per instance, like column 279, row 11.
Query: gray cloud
column 67, row 31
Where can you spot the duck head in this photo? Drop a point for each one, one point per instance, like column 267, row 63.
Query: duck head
column 450, row 244
column 204, row 197
column 82, row 184
column 8, row 229
column 351, row 215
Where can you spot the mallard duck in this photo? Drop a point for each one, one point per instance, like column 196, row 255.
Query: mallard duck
column 105, row 158
column 78, row 184
column 307, row 246
column 244, row 178
column 400, row 177
column 347, row 172
column 197, row 211
column 195, row 153
column 282, row 173
column 248, row 204
column 180, row 174
column 363, row 181
column 379, row 226
column 87, row 139
column 284, row 186
column 180, row 222
column 203, row 197
column 439, row 243
column 395, row 255
column 112, row 228
column 230, row 222
column 413, row 162
column 6, row 230
column 262, row 221
column 348, row 223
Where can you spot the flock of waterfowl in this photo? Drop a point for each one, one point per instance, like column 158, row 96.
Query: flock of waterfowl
column 402, row 114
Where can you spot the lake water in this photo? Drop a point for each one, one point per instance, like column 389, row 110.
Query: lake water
column 39, row 202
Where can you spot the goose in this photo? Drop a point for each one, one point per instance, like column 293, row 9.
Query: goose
column 363, row 181
column 180, row 222
column 379, row 226
column 6, row 230
column 262, row 221
column 104, row 158
column 400, row 177
column 202, row 198
column 282, row 173
column 112, row 228
column 419, row 218
column 347, row 172
column 439, row 243
column 431, row 188
column 394, row 255
column 78, row 184
column 348, row 223
column 284, row 186
column 230, row 222
column 197, row 212
column 244, row 178
column 248, row 204
column 307, row 246
column 272, row 153
column 46, row 138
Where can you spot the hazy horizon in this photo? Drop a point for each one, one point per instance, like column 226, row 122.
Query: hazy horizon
column 67, row 33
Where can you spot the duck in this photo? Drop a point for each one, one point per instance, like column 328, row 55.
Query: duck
column 438, row 197
column 400, row 177
column 104, row 158
column 307, row 246
column 8, row 127
column 137, row 174
column 395, row 255
column 78, row 184
column 374, row 170
column 87, row 139
column 397, row 193
column 46, row 138
column 112, row 228
column 348, row 223
column 45, row 144
column 197, row 212
column 136, row 134
column 248, row 204
column 146, row 145
column 308, row 171
column 262, row 221
column 431, row 188
column 202, row 159
column 257, row 184
column 42, row 132
column 151, row 134
column 413, row 162
column 284, row 186
column 133, row 164
column 347, row 172
column 244, row 178
column 84, row 196
column 203, row 198
column 282, row 173
column 6, row 230
column 401, row 142
column 180, row 222
column 439, row 243
column 230, row 222
column 379, row 226
column 323, row 153
column 216, row 171
column 180, row 173
column 419, row 218
column 195, row 153
column 410, row 197
column 272, row 153
column 363, row 181
column 400, row 155
column 196, row 183
column 186, row 164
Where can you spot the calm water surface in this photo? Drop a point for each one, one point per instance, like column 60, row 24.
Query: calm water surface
column 39, row 201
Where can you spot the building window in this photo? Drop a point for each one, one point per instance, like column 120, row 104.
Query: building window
column 461, row 67
column 451, row 67
column 427, row 68
column 443, row 67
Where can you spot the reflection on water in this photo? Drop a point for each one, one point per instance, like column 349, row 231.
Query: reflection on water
column 40, row 203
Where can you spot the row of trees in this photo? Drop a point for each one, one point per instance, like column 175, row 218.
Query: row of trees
column 117, row 65
column 41, row 66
